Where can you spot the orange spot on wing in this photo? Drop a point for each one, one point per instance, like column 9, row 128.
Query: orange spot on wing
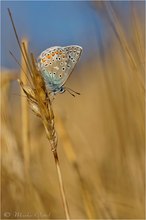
column 43, row 60
column 53, row 54
column 48, row 56
column 56, row 52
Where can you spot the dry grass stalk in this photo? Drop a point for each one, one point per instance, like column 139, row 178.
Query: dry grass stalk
column 72, row 158
column 40, row 103
column 133, row 64
column 25, row 120
column 120, row 33
column 137, row 34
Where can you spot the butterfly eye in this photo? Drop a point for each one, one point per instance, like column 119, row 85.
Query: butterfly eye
column 63, row 68
column 50, row 63
column 60, row 75
column 59, row 58
column 54, row 73
column 68, row 66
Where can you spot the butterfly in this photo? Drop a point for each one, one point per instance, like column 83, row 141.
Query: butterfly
column 56, row 64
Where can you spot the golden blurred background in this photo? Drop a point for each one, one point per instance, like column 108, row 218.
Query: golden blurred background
column 101, row 134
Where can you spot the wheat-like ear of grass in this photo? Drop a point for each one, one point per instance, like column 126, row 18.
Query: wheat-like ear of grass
column 40, row 103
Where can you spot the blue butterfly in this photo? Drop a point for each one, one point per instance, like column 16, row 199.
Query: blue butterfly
column 56, row 64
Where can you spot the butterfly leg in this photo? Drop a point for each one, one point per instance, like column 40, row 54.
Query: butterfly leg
column 51, row 96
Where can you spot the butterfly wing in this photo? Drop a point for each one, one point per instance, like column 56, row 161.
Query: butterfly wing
column 57, row 63
column 51, row 63
column 72, row 55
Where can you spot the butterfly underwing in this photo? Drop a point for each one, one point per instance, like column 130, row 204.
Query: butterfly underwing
column 56, row 64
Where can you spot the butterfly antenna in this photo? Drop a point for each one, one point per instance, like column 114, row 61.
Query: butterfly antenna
column 69, row 92
column 17, row 38
column 19, row 65
column 72, row 91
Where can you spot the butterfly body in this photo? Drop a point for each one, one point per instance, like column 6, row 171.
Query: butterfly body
column 56, row 64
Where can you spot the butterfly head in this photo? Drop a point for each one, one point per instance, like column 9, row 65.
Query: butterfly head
column 59, row 90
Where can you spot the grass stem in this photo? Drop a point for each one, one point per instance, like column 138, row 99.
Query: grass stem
column 61, row 186
column 25, row 120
